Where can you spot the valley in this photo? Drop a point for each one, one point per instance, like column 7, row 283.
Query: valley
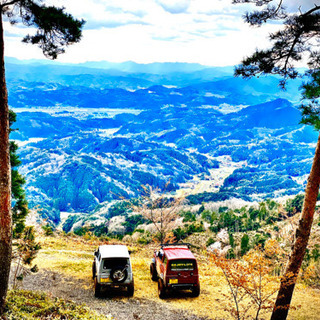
column 83, row 145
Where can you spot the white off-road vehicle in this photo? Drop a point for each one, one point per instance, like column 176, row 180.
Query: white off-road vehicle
column 111, row 268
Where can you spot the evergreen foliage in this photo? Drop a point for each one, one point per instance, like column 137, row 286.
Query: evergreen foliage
column 71, row 220
column 181, row 233
column 19, row 202
column 132, row 221
column 120, row 208
column 289, row 45
column 295, row 40
column 311, row 93
column 24, row 254
column 245, row 244
column 48, row 230
column 188, row 216
column 55, row 29
column 294, row 205
column 215, row 196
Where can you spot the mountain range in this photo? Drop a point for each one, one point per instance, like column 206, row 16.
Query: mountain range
column 90, row 134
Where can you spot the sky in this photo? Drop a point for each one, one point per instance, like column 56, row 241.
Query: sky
column 209, row 32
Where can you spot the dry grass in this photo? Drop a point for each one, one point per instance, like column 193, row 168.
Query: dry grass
column 73, row 257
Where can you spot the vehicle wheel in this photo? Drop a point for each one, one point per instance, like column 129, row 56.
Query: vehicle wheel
column 119, row 274
column 196, row 291
column 153, row 272
column 161, row 289
column 131, row 289
column 97, row 288
column 93, row 269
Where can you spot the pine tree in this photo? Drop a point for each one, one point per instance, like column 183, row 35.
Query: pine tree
column 55, row 30
column 297, row 39
column 245, row 244
column 19, row 201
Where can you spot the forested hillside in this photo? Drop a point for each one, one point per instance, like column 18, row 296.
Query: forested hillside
column 84, row 143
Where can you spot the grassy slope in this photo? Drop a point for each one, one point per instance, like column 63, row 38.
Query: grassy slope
column 73, row 257
column 28, row 305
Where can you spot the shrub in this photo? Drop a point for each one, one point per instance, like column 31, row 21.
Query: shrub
column 231, row 254
column 188, row 216
column 48, row 230
column 68, row 224
column 23, row 304
column 24, row 254
column 244, row 244
column 209, row 242
column 145, row 238
column 100, row 231
column 231, row 240
column 132, row 221
column 81, row 231
column 294, row 205
column 311, row 274
column 251, row 286
column 188, row 229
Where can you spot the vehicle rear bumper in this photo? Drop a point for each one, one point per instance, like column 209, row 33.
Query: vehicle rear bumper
column 109, row 283
column 182, row 286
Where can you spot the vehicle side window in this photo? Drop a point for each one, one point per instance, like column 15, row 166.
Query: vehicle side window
column 161, row 255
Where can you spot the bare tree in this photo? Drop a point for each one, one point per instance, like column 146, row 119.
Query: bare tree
column 250, row 282
column 159, row 209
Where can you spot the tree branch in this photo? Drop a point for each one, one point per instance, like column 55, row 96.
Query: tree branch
column 8, row 4
column 316, row 8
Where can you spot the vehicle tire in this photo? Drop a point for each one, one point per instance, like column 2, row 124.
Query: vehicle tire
column 93, row 269
column 162, row 292
column 153, row 272
column 131, row 289
column 118, row 274
column 97, row 288
column 196, row 291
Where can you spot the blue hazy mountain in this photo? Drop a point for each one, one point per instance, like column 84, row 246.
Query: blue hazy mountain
column 90, row 135
column 127, row 75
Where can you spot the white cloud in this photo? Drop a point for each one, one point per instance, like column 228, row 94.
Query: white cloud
column 206, row 31
column 174, row 6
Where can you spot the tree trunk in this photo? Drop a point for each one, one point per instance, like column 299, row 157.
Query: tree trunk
column 5, row 181
column 281, row 308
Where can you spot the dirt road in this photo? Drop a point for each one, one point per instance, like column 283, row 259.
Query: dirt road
column 120, row 307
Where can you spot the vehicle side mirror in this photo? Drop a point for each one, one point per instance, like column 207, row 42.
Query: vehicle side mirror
column 130, row 251
column 96, row 253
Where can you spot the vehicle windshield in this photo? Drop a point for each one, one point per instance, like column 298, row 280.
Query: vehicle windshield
column 182, row 265
column 110, row 263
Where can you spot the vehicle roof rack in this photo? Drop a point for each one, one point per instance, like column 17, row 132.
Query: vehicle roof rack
column 176, row 244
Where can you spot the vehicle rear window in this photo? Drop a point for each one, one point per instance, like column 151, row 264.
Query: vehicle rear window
column 182, row 265
column 114, row 263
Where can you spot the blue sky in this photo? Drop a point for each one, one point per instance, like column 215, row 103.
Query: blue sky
column 210, row 32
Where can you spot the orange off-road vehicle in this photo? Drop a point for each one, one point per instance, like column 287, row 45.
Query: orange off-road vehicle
column 175, row 268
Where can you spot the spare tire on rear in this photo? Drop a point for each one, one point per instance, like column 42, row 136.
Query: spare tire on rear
column 119, row 274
